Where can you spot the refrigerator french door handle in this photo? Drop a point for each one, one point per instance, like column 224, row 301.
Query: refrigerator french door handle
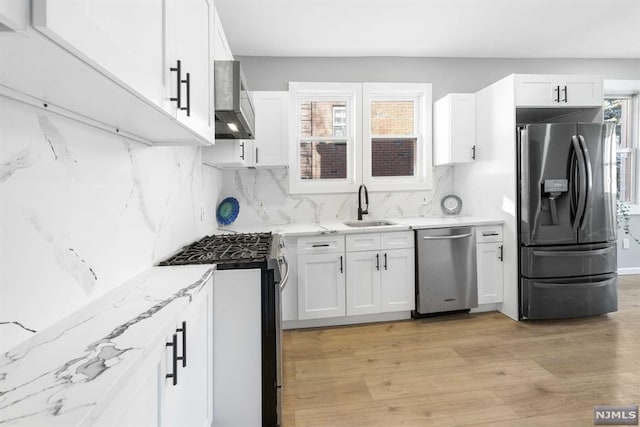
column 588, row 181
column 582, row 182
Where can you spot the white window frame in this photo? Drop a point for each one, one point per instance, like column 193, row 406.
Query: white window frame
column 351, row 93
column 421, row 95
column 630, row 89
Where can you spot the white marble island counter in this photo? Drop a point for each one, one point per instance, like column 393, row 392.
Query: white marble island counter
column 399, row 224
column 66, row 373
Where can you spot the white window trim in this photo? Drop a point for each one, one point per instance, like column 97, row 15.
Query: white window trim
column 350, row 92
column 620, row 89
column 421, row 94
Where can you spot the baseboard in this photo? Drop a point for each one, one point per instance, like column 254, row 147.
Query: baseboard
column 628, row 270
column 346, row 320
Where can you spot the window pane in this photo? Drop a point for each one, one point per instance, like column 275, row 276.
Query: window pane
column 392, row 118
column 317, row 118
column 323, row 160
column 616, row 113
column 625, row 176
column 393, row 157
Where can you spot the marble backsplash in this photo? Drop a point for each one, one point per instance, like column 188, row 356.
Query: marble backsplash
column 264, row 199
column 83, row 210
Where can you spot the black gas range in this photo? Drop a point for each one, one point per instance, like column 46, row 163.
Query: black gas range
column 243, row 251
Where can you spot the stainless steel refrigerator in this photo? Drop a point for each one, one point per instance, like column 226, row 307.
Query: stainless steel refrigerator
column 567, row 220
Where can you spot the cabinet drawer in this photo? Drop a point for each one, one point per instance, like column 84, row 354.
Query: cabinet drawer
column 320, row 244
column 397, row 240
column 363, row 242
column 488, row 234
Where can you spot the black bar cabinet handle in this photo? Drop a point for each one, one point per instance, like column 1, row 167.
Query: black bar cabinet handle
column 187, row 81
column 183, row 330
column 174, row 345
column 242, row 146
column 320, row 245
column 565, row 93
column 177, row 70
column 501, row 257
column 473, row 152
column 341, row 269
column 378, row 262
column 557, row 91
column 385, row 260
column 256, row 155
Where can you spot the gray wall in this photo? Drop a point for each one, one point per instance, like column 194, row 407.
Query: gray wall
column 446, row 74
column 630, row 258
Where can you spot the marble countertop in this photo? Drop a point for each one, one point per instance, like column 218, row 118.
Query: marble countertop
column 65, row 374
column 304, row 229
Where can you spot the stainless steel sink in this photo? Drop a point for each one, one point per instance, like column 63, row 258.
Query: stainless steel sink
column 369, row 223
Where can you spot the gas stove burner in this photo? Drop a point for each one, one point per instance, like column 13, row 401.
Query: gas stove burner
column 225, row 248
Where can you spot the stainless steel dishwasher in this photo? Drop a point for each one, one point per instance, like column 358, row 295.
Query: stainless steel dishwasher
column 446, row 264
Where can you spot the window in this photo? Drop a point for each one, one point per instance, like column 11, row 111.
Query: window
column 324, row 125
column 397, row 136
column 346, row 134
column 622, row 112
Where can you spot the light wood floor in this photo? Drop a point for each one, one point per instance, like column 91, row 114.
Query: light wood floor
column 482, row 369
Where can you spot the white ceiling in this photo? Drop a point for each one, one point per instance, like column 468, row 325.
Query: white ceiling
column 433, row 28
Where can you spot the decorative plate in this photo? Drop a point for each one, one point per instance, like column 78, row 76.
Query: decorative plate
column 451, row 205
column 227, row 211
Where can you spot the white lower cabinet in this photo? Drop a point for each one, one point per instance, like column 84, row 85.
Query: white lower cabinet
column 189, row 401
column 398, row 274
column 363, row 283
column 383, row 279
column 150, row 397
column 321, row 285
column 489, row 257
column 352, row 275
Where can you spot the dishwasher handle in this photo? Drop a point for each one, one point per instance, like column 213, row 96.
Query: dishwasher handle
column 457, row 236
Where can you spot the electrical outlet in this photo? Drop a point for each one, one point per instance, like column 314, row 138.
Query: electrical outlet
column 625, row 243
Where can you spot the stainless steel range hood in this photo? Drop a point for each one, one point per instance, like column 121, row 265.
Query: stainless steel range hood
column 235, row 117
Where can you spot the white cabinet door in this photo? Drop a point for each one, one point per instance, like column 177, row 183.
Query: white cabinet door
column 398, row 280
column 123, row 39
column 229, row 154
column 363, row 282
column 190, row 401
column 321, row 286
column 583, row 91
column 193, row 28
column 455, row 129
column 490, row 273
column 538, row 90
column 272, row 127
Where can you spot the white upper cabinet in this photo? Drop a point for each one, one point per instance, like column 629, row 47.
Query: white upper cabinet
column 268, row 149
column 109, row 64
column 539, row 90
column 124, row 40
column 454, row 129
column 190, row 27
column 272, row 126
